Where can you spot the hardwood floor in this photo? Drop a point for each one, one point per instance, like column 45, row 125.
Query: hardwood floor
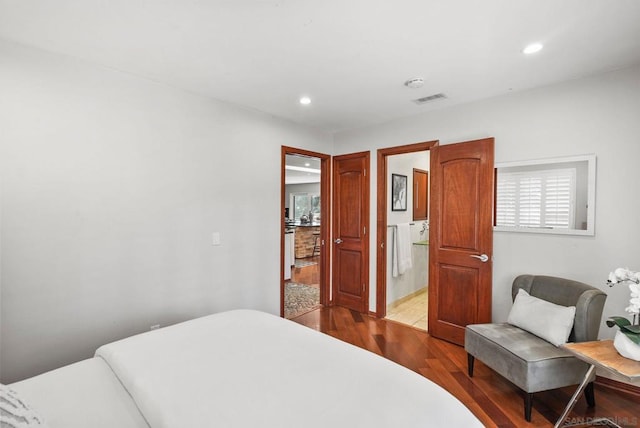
column 308, row 274
column 494, row 400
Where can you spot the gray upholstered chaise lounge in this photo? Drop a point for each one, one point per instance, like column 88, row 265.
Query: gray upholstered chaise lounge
column 528, row 361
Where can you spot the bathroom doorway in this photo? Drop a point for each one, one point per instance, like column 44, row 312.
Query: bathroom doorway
column 403, row 234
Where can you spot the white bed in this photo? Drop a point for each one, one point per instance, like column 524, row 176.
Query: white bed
column 239, row 369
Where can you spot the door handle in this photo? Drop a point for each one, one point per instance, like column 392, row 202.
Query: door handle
column 338, row 241
column 483, row 257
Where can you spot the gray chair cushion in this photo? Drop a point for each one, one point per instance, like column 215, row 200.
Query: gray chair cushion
column 531, row 363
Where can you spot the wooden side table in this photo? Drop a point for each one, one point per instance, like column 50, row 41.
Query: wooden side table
column 600, row 354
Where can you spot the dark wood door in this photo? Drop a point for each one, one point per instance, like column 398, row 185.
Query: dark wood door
column 461, row 237
column 420, row 194
column 350, row 235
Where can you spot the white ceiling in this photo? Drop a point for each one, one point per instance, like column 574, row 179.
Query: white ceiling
column 301, row 169
column 350, row 56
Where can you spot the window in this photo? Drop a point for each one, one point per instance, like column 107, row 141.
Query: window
column 537, row 199
column 304, row 203
column 553, row 195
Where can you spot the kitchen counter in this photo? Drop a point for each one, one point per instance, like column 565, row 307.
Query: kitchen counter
column 298, row 224
column 305, row 238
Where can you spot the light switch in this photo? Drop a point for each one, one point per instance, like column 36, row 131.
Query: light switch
column 215, row 238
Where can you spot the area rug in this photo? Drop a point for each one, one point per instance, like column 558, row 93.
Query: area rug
column 299, row 298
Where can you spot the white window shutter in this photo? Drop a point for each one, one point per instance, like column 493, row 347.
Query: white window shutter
column 537, row 199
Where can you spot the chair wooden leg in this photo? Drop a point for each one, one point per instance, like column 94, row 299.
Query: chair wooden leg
column 528, row 403
column 470, row 360
column 590, row 395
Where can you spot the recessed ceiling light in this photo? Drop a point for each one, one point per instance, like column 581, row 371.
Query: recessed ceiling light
column 532, row 48
column 305, row 101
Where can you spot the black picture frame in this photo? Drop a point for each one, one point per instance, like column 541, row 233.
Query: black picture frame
column 398, row 192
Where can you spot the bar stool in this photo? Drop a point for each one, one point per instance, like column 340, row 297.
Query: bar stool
column 316, row 244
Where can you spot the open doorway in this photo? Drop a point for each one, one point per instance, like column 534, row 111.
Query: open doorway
column 403, row 234
column 304, row 255
column 408, row 238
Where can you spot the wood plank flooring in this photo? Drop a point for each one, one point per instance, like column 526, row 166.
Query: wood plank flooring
column 494, row 400
column 308, row 275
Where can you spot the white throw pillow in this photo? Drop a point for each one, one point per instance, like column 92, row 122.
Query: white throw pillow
column 14, row 412
column 546, row 320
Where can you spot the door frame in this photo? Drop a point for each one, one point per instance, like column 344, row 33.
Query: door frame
column 381, row 227
column 325, row 216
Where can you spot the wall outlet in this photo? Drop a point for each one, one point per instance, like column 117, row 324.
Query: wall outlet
column 154, row 327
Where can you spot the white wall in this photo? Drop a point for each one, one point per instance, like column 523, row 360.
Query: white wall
column 403, row 164
column 415, row 278
column 597, row 114
column 111, row 188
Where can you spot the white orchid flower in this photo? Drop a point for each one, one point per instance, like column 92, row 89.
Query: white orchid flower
column 633, row 309
column 621, row 273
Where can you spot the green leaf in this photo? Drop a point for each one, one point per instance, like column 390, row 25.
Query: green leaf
column 633, row 328
column 629, row 330
column 619, row 321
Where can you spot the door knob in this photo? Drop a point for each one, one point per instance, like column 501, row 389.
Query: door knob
column 483, row 257
column 338, row 241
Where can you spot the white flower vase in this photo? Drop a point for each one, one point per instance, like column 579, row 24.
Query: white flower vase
column 626, row 347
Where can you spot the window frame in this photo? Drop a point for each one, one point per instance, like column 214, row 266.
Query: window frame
column 586, row 187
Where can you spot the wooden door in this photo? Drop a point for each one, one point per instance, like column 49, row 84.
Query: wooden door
column 460, row 238
column 420, row 194
column 350, row 235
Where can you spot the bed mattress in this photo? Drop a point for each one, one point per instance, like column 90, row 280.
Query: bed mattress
column 86, row 394
column 246, row 368
column 239, row 369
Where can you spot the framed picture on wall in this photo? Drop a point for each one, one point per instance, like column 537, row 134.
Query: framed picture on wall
column 398, row 192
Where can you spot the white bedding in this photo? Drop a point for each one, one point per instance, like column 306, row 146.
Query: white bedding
column 250, row 369
column 82, row 395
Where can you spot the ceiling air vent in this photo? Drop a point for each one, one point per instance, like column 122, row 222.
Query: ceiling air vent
column 430, row 98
